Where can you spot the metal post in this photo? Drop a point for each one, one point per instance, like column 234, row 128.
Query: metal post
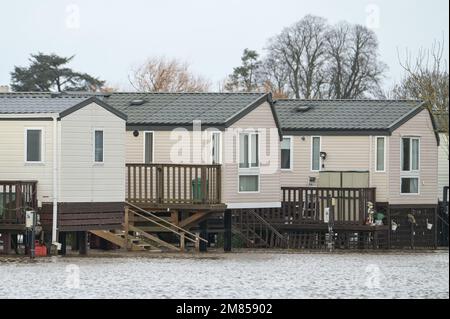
column 227, row 234
column 203, row 234
column 330, row 229
column 83, row 242
column 63, row 241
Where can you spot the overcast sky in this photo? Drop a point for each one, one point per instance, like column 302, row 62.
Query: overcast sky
column 108, row 37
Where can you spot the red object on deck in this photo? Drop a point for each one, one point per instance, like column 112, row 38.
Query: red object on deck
column 40, row 250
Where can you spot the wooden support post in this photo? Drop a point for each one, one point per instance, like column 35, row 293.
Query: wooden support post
column 203, row 234
column 227, row 234
column 126, row 227
column 75, row 243
column 435, row 228
column 174, row 217
column 197, row 244
column 63, row 242
column 182, row 242
column 389, row 231
column 83, row 242
column 6, row 237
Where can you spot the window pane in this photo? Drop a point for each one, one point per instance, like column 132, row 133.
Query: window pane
column 34, row 143
column 286, row 153
column 243, row 150
column 215, row 148
column 415, row 154
column 148, row 148
column 405, row 156
column 410, row 185
column 248, row 183
column 380, row 154
column 99, row 146
column 316, row 154
column 255, row 150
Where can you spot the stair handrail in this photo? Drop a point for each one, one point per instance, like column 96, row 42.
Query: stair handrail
column 182, row 230
column 443, row 220
column 269, row 225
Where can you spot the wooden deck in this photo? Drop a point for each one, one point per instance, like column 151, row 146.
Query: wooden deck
column 306, row 206
column 175, row 186
column 15, row 198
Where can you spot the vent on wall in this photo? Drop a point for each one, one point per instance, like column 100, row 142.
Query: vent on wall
column 303, row 108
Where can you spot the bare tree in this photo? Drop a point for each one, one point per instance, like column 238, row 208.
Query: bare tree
column 275, row 76
column 160, row 74
column 427, row 79
column 301, row 48
column 353, row 68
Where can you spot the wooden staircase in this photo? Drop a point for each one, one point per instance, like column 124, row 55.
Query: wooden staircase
column 135, row 237
column 256, row 231
column 118, row 239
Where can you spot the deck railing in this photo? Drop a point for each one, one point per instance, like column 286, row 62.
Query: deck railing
column 306, row 205
column 173, row 184
column 15, row 198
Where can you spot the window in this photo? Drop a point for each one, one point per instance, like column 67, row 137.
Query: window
column 248, row 183
column 215, row 148
column 248, row 150
column 410, row 165
column 315, row 153
column 34, row 146
column 248, row 162
column 286, row 153
column 148, row 147
column 410, row 185
column 98, row 146
column 410, row 154
column 380, row 155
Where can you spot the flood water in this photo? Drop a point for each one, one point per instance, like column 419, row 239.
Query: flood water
column 237, row 275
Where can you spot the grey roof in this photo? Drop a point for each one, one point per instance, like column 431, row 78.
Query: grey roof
column 344, row 115
column 48, row 103
column 158, row 109
column 167, row 109
column 37, row 103
column 183, row 108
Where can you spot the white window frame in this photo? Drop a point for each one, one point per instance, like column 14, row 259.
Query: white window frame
column 244, row 174
column 418, row 186
column 249, row 171
column 411, row 138
column 145, row 144
column 291, row 155
column 250, row 134
column 42, row 161
column 312, row 154
column 411, row 173
column 384, row 154
column 211, row 147
column 93, row 146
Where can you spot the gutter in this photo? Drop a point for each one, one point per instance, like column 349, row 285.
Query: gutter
column 24, row 116
column 55, row 181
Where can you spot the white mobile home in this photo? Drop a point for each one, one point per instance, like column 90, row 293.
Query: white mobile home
column 71, row 150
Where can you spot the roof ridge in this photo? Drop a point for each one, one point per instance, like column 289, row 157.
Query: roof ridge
column 349, row 100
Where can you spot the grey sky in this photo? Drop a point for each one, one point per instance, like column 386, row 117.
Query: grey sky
column 113, row 35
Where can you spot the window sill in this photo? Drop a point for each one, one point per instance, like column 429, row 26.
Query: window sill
column 34, row 163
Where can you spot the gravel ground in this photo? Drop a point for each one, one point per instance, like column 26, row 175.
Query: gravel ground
column 237, row 275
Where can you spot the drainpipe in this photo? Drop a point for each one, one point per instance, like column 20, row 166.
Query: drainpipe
column 55, row 181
